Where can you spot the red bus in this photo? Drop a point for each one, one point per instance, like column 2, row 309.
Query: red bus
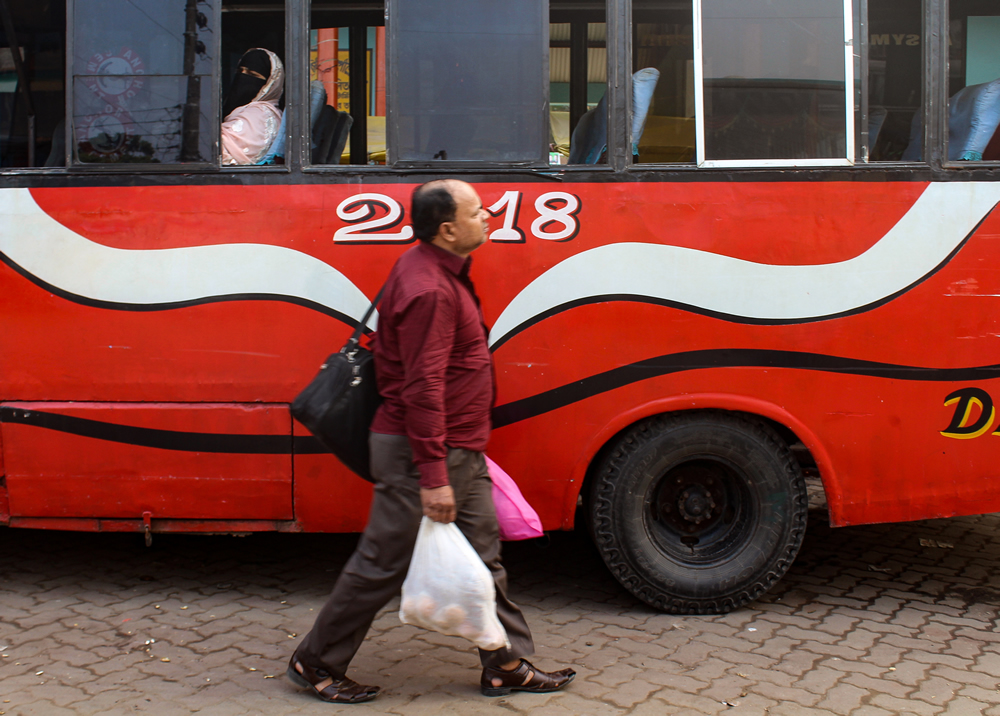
column 736, row 244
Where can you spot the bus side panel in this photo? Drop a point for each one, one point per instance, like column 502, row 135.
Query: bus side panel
column 114, row 460
column 257, row 345
column 878, row 388
column 190, row 328
column 328, row 496
column 4, row 499
column 883, row 437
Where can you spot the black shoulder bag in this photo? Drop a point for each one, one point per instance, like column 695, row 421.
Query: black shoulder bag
column 338, row 406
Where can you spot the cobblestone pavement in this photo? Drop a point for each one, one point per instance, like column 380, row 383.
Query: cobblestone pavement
column 889, row 619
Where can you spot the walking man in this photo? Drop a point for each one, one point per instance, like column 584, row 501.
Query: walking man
column 435, row 374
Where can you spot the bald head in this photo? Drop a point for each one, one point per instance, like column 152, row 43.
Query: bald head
column 449, row 213
column 433, row 204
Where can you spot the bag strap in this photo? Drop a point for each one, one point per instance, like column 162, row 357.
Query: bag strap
column 355, row 338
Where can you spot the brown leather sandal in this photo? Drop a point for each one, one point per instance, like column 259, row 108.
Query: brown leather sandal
column 497, row 682
column 327, row 688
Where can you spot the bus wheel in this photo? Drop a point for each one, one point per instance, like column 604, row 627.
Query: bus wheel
column 699, row 512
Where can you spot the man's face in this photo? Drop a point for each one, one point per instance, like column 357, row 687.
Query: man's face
column 471, row 225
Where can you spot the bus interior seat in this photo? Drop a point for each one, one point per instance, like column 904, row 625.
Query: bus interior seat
column 589, row 140
column 876, row 120
column 57, row 154
column 973, row 117
column 317, row 100
column 330, row 135
column 590, row 135
column 643, row 85
column 324, row 125
column 992, row 151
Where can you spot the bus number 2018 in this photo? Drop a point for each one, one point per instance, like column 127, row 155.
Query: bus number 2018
column 375, row 218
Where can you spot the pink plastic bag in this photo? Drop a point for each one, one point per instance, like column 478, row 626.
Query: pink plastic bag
column 515, row 516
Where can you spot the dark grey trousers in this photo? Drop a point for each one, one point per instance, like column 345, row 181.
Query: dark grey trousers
column 374, row 574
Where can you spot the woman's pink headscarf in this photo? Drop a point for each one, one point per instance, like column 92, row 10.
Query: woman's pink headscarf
column 248, row 131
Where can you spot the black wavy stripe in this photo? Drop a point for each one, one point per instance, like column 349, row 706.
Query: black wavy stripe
column 723, row 358
column 511, row 412
column 165, row 439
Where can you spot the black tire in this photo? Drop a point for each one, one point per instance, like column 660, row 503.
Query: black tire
column 698, row 512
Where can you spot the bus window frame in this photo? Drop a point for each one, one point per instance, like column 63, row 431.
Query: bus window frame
column 294, row 54
column 934, row 102
column 699, row 98
column 73, row 165
column 934, row 85
column 619, row 52
column 935, row 17
column 939, row 12
column 392, row 107
column 862, row 149
column 619, row 159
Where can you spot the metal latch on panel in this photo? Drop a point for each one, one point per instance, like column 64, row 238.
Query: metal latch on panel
column 147, row 527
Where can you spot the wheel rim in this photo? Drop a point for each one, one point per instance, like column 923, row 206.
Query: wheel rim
column 700, row 511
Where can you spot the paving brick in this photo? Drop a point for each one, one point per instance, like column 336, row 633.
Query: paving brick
column 987, row 663
column 707, row 671
column 783, row 694
column 833, row 638
column 751, row 704
column 679, row 682
column 697, row 653
column 963, row 706
column 843, row 698
column 805, row 618
column 964, row 676
column 777, row 647
column 793, row 709
column 615, row 675
column 688, row 704
column 956, row 662
column 839, row 651
column 904, row 706
column 757, row 675
column 803, row 635
column 869, row 710
column 837, row 624
column 917, row 645
column 934, row 690
column 877, row 685
column 987, row 695
column 860, row 639
column 631, row 693
column 745, row 659
column 909, row 673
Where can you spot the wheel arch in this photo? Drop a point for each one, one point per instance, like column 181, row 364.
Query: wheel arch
column 788, row 426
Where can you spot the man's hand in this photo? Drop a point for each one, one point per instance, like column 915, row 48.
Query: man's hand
column 439, row 503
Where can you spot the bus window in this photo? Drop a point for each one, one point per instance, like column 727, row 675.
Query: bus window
column 775, row 82
column 251, row 61
column 663, row 40
column 974, row 81
column 468, row 81
column 347, row 79
column 895, row 80
column 142, row 82
column 578, row 71
column 32, row 94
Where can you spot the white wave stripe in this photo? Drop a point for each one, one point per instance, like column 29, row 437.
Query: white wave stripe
column 934, row 226
column 46, row 249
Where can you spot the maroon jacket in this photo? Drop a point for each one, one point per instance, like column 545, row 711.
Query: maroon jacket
column 432, row 360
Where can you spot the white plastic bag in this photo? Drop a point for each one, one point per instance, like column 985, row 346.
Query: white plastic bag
column 449, row 589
